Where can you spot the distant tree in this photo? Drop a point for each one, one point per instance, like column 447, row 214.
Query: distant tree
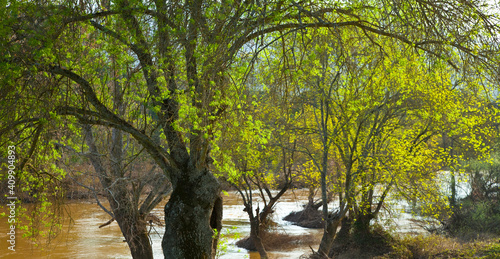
column 132, row 193
column 258, row 158
column 382, row 110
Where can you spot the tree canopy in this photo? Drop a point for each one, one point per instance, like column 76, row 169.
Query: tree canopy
column 380, row 78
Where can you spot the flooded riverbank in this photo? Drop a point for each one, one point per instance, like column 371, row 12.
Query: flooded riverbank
column 81, row 236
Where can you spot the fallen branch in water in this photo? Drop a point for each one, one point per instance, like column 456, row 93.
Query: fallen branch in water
column 150, row 218
column 107, row 223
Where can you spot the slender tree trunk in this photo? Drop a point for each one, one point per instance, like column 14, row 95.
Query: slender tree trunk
column 134, row 229
column 126, row 215
column 188, row 216
column 332, row 223
column 255, row 236
column 453, row 187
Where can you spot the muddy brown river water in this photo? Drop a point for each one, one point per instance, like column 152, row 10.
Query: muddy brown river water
column 81, row 237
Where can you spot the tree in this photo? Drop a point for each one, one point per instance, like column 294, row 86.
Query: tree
column 115, row 158
column 30, row 126
column 258, row 157
column 381, row 112
column 185, row 52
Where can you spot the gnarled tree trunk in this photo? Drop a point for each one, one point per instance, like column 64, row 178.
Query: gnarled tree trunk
column 189, row 213
column 361, row 227
column 343, row 235
column 331, row 225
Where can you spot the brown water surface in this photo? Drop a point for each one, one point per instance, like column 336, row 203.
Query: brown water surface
column 81, row 236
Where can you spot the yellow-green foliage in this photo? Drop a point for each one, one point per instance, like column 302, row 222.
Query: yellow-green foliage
column 308, row 175
column 38, row 182
column 380, row 113
column 242, row 150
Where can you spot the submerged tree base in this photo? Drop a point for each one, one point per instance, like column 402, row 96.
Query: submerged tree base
column 278, row 241
column 306, row 218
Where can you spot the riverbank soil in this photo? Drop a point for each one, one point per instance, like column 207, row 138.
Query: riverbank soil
column 381, row 245
column 436, row 246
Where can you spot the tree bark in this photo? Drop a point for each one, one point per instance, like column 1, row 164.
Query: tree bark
column 132, row 226
column 134, row 229
column 216, row 223
column 345, row 229
column 255, row 230
column 331, row 225
column 342, row 238
column 188, row 214
column 362, row 227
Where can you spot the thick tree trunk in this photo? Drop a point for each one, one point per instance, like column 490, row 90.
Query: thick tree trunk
column 216, row 223
column 188, row 216
column 341, row 239
column 140, row 246
column 361, row 230
column 344, row 233
column 326, row 244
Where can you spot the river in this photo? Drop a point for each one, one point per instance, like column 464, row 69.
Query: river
column 82, row 238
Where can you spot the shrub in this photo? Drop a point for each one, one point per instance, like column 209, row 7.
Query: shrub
column 475, row 218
